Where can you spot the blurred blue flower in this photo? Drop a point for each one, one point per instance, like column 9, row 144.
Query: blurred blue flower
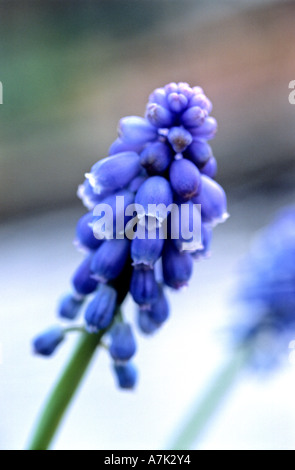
column 157, row 163
column 267, row 292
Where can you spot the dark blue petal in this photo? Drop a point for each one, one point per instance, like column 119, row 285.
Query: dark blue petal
column 159, row 116
column 100, row 312
column 88, row 196
column 185, row 178
column 194, row 117
column 46, row 343
column 70, row 306
column 146, row 251
column 110, row 259
column 177, row 102
column 199, row 152
column 179, row 138
column 136, row 183
column 213, row 201
column 159, row 311
column 156, row 158
column 115, row 172
column 144, row 288
column 119, row 146
column 210, row 169
column 126, row 375
column 84, row 233
column 155, row 191
column 159, row 96
column 146, row 324
column 206, row 131
column 177, row 267
column 83, row 282
column 123, row 345
column 136, row 130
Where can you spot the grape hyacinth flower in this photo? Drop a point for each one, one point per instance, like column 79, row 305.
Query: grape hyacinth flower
column 267, row 293
column 264, row 332
column 158, row 165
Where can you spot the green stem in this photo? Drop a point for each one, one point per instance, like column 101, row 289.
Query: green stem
column 75, row 329
column 203, row 410
column 64, row 391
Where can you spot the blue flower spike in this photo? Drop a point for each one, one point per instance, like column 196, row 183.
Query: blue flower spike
column 159, row 165
column 266, row 291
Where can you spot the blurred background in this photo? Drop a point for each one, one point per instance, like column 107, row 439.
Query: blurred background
column 70, row 70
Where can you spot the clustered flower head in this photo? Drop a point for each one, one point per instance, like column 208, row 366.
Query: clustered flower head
column 160, row 160
column 267, row 291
